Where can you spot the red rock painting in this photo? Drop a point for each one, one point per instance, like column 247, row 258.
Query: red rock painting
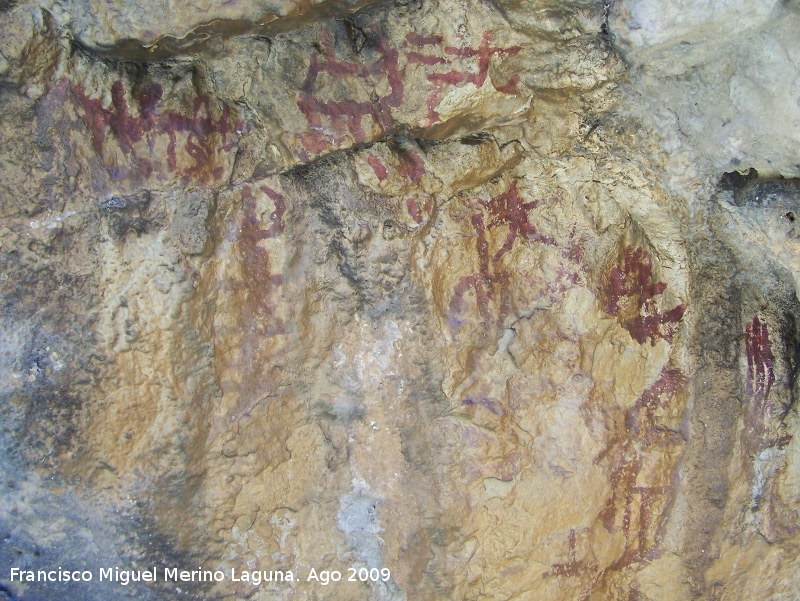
column 261, row 283
column 632, row 295
column 424, row 53
column 331, row 120
column 334, row 121
column 642, row 445
column 491, row 285
column 760, row 378
column 573, row 567
column 760, row 360
column 204, row 137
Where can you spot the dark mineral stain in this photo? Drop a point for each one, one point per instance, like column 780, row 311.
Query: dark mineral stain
column 477, row 138
column 769, row 193
column 735, row 180
column 790, row 335
column 412, row 165
column 132, row 213
column 751, row 190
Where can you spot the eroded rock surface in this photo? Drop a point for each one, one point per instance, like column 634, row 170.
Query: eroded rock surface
column 470, row 293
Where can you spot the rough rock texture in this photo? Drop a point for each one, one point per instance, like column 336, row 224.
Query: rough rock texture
column 719, row 81
column 498, row 297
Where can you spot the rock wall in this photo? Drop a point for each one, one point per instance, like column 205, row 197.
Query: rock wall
column 487, row 300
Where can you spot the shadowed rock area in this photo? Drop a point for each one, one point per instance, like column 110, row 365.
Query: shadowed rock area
column 456, row 299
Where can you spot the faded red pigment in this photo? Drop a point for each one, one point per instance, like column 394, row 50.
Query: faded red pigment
column 506, row 209
column 330, row 121
column 641, row 511
column 346, row 116
column 261, row 283
column 760, row 360
column 412, row 166
column 416, row 212
column 201, row 129
column 484, row 53
column 757, row 434
column 631, row 285
column 492, row 405
column 573, row 567
column 378, row 167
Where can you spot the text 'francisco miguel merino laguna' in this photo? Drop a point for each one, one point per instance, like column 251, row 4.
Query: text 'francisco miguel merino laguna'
column 125, row 577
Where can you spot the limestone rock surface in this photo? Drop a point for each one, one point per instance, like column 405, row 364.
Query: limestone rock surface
column 718, row 80
column 479, row 300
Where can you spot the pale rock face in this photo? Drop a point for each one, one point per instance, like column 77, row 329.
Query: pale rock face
column 719, row 81
column 456, row 292
column 644, row 23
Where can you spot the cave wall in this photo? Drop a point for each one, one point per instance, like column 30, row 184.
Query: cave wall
column 498, row 297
